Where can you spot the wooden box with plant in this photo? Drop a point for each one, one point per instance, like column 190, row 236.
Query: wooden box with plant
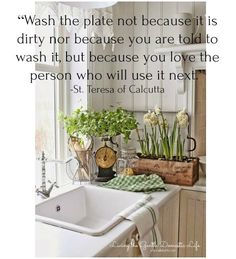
column 162, row 149
column 84, row 125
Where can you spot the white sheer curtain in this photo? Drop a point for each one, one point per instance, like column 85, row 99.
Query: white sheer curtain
column 55, row 10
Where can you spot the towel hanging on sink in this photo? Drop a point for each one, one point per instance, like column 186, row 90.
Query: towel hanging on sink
column 145, row 217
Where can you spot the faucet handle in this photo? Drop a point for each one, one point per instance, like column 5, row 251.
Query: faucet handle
column 53, row 183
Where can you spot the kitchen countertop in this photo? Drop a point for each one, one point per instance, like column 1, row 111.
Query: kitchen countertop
column 54, row 241
column 199, row 186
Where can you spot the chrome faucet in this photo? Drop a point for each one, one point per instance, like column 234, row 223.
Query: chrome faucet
column 43, row 191
column 46, row 192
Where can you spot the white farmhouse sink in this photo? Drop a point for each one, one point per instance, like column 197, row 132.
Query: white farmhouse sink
column 87, row 209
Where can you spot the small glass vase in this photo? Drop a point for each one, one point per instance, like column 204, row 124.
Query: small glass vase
column 126, row 162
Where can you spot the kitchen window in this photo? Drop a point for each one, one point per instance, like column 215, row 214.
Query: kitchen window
column 49, row 100
column 52, row 95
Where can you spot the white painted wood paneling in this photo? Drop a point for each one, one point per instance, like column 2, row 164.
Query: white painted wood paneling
column 107, row 98
column 140, row 102
column 102, row 100
column 169, row 10
column 170, row 100
column 170, row 86
column 97, row 99
column 125, row 10
column 168, row 226
column 200, row 9
column 185, row 7
column 154, row 9
column 200, row 231
column 192, row 223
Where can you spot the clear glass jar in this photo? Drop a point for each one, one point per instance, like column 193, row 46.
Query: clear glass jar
column 126, row 162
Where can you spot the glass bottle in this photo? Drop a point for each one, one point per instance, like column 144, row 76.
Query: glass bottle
column 126, row 162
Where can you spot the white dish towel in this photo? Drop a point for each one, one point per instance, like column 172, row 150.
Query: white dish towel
column 145, row 217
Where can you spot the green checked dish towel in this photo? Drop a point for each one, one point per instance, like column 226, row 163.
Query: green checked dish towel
column 138, row 183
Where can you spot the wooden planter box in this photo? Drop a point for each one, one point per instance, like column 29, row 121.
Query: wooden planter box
column 173, row 172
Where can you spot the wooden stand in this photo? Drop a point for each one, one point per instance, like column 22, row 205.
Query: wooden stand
column 173, row 172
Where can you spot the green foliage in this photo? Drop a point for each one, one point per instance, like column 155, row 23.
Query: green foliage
column 99, row 124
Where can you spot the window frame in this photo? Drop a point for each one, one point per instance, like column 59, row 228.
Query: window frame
column 60, row 104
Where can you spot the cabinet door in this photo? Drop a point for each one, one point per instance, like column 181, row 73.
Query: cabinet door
column 192, row 229
column 168, row 226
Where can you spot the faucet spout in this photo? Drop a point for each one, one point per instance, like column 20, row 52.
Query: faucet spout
column 43, row 191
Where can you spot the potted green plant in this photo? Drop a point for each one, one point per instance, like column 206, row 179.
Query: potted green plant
column 162, row 148
column 82, row 125
column 99, row 124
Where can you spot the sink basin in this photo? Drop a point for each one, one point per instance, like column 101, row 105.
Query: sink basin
column 87, row 209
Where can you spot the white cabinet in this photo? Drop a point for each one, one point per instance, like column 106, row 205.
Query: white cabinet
column 192, row 224
column 182, row 223
column 168, row 226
